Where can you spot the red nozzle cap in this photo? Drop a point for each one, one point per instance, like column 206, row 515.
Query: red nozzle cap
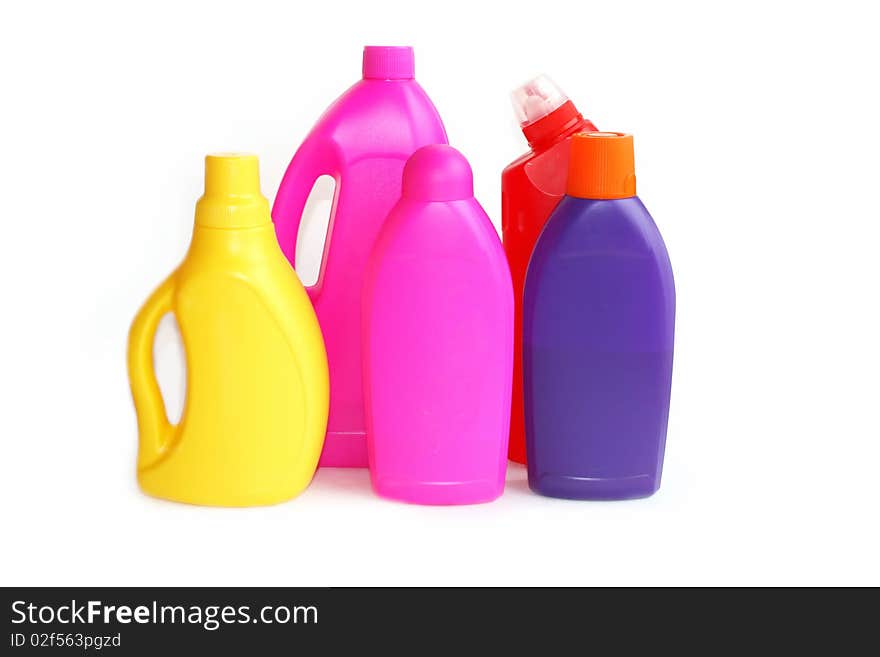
column 389, row 63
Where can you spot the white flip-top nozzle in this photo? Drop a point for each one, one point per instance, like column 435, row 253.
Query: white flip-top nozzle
column 536, row 99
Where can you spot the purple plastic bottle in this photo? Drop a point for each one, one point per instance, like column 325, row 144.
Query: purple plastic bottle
column 598, row 325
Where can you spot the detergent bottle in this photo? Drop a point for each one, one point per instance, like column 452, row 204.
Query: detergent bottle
column 598, row 324
column 531, row 187
column 363, row 141
column 257, row 383
column 438, row 341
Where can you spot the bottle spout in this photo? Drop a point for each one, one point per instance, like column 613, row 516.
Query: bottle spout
column 232, row 196
column 232, row 174
column 536, row 99
column 389, row 63
column 437, row 172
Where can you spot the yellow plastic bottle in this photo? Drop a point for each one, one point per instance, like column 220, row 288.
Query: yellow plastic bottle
column 257, row 393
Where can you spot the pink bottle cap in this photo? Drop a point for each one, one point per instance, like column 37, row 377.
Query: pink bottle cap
column 437, row 173
column 389, row 63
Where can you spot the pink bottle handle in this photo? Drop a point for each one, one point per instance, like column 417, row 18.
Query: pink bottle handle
column 314, row 158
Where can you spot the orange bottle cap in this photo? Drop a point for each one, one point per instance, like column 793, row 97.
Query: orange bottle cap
column 602, row 166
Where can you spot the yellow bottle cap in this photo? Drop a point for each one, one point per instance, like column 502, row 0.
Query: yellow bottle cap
column 232, row 196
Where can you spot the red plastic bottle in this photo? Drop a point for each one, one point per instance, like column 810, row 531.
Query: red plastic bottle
column 531, row 186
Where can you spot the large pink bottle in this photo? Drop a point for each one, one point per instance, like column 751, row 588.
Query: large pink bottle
column 363, row 141
column 438, row 341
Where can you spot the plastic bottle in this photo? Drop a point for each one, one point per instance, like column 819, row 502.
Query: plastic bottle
column 438, row 341
column 257, row 384
column 598, row 324
column 363, row 141
column 531, row 187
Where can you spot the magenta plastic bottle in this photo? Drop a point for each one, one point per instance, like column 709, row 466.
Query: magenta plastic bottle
column 363, row 141
column 438, row 341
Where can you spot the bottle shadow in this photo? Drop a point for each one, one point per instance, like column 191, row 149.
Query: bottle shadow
column 517, row 480
column 356, row 481
column 346, row 481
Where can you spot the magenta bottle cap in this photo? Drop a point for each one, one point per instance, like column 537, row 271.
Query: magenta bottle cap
column 437, row 173
column 389, row 63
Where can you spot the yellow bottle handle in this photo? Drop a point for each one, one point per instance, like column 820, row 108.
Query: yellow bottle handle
column 154, row 429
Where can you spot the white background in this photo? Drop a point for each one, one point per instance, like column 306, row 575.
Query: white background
column 756, row 132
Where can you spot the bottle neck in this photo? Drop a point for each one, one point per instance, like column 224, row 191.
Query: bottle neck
column 237, row 243
column 565, row 120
